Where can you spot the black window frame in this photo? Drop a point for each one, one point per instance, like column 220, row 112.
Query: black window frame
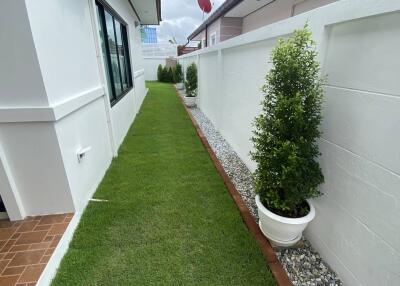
column 102, row 8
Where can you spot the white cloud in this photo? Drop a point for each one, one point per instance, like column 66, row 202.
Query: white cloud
column 180, row 19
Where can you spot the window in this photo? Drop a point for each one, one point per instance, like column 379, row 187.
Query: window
column 149, row 35
column 213, row 39
column 203, row 43
column 114, row 46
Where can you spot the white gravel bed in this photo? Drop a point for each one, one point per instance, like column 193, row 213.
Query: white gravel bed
column 303, row 264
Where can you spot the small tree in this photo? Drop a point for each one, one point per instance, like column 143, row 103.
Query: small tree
column 159, row 73
column 164, row 74
column 170, row 75
column 191, row 80
column 178, row 75
column 287, row 130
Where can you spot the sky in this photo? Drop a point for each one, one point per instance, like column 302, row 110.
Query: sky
column 180, row 18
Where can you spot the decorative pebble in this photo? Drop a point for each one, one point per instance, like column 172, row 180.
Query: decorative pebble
column 302, row 263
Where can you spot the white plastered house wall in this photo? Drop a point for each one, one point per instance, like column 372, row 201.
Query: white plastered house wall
column 54, row 102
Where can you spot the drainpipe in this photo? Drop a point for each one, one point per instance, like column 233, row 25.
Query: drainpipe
column 206, row 42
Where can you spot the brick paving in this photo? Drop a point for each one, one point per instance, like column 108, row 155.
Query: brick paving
column 27, row 245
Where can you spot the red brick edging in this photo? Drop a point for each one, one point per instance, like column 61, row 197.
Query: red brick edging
column 275, row 266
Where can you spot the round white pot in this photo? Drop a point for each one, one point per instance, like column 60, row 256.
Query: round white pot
column 179, row 85
column 190, row 101
column 282, row 231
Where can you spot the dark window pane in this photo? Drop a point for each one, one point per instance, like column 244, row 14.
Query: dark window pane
column 121, row 54
column 127, row 58
column 104, row 53
column 112, row 43
column 115, row 51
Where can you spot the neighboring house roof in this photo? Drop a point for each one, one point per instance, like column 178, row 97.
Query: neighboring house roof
column 221, row 11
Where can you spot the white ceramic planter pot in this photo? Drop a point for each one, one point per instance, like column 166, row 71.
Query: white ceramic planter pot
column 179, row 85
column 190, row 101
column 282, row 231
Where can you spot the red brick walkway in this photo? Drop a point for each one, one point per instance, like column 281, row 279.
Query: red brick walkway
column 26, row 246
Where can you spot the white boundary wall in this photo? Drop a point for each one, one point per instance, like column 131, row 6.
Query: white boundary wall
column 154, row 55
column 357, row 227
column 151, row 65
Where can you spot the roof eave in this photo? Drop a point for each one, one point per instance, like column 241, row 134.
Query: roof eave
column 158, row 8
column 158, row 4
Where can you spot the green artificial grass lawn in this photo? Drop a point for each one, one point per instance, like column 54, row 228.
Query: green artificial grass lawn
column 169, row 219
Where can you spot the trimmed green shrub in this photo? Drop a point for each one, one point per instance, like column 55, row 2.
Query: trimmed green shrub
column 170, row 75
column 191, row 80
column 164, row 74
column 178, row 74
column 286, row 133
column 159, row 72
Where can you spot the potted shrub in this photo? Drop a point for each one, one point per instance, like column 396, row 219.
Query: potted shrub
column 285, row 147
column 178, row 76
column 191, row 85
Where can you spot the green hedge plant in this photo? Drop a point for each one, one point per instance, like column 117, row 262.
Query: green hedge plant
column 165, row 74
column 170, row 77
column 159, row 73
column 178, row 74
column 191, row 80
column 286, row 132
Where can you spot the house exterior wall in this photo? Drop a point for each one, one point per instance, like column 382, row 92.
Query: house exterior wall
column 355, row 229
column 31, row 161
column 36, row 166
column 307, row 5
column 230, row 27
column 21, row 82
column 67, row 109
column 214, row 28
column 225, row 28
column 200, row 36
column 68, row 62
column 279, row 10
column 274, row 12
column 8, row 190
